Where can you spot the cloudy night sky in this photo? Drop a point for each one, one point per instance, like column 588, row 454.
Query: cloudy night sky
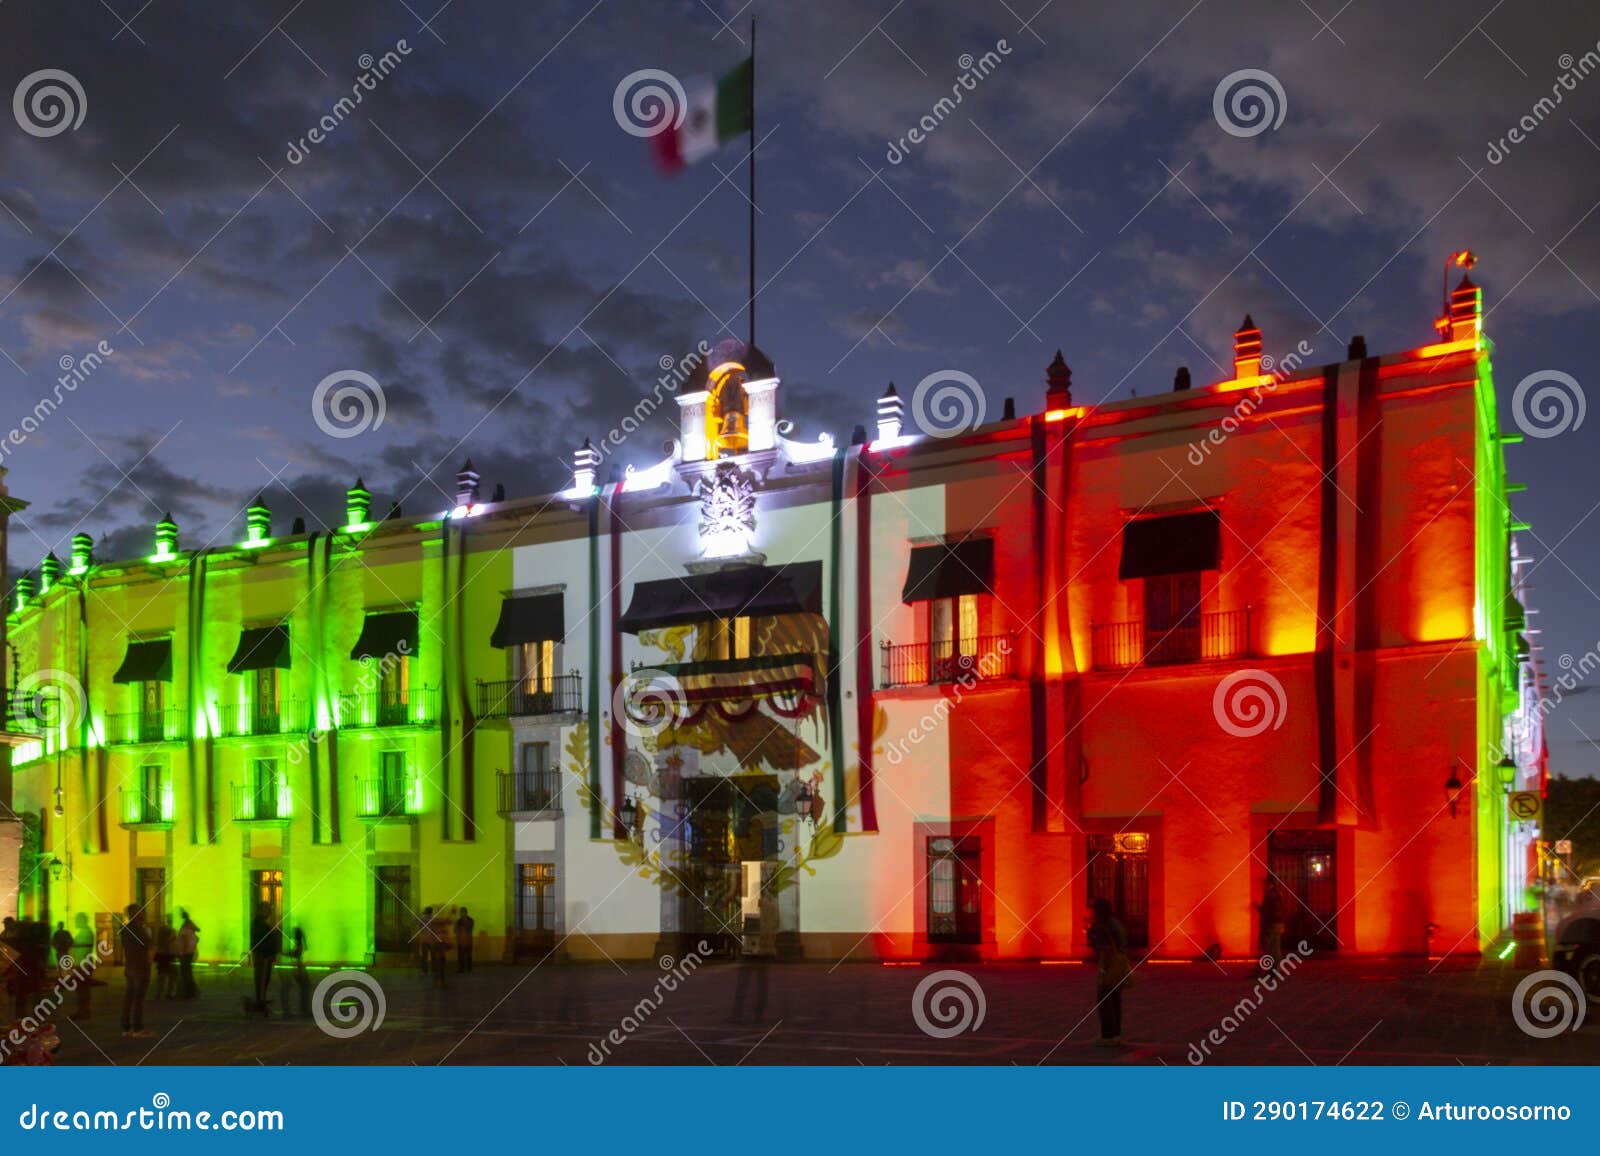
column 485, row 240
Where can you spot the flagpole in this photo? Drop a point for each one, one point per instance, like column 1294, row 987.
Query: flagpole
column 752, row 162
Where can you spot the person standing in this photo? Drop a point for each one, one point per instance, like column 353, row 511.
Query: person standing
column 62, row 944
column 166, row 960
column 1113, row 969
column 135, row 938
column 1271, row 931
column 464, row 926
column 266, row 944
column 298, row 976
column 188, row 947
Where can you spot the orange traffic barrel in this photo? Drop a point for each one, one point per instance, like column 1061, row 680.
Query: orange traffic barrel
column 1527, row 932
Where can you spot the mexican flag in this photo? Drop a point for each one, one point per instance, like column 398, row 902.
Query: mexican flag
column 713, row 113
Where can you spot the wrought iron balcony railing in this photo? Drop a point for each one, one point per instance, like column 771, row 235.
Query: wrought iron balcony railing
column 420, row 707
column 1198, row 638
column 151, row 810
column 988, row 656
column 385, row 798
column 147, row 726
column 520, row 697
column 529, row 792
column 263, row 802
column 287, row 716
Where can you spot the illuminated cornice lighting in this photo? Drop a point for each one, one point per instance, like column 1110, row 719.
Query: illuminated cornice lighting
column 1064, row 414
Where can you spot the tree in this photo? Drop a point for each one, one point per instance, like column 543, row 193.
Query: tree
column 1572, row 811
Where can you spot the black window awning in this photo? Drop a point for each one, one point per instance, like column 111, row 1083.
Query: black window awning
column 1175, row 544
column 392, row 632
column 738, row 591
column 146, row 662
column 950, row 570
column 533, row 618
column 261, row 647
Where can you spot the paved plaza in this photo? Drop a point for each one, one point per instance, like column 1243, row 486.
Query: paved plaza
column 1349, row 1011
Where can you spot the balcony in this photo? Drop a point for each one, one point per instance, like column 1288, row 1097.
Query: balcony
column 245, row 719
column 377, row 709
column 265, row 804
column 529, row 792
column 387, row 799
column 981, row 659
column 157, row 726
column 1199, row 638
column 522, row 697
column 147, row 810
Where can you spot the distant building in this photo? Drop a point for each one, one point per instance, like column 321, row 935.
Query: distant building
column 914, row 697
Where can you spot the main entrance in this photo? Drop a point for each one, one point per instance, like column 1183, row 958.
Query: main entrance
column 1303, row 864
column 731, row 831
column 394, row 926
column 1119, row 870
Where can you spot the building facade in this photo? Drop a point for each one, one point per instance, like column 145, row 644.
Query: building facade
column 926, row 695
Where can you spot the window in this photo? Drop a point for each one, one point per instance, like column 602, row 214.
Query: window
column 730, row 638
column 393, row 783
column 152, row 792
column 955, row 889
column 536, row 896
column 1119, row 871
column 1172, row 617
column 394, row 690
column 952, row 632
column 264, row 700
column 266, row 791
column 151, row 719
column 536, row 667
column 537, row 787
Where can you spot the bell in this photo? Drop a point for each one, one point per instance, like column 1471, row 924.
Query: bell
column 734, row 437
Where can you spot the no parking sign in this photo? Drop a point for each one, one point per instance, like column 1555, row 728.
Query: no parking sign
column 1524, row 806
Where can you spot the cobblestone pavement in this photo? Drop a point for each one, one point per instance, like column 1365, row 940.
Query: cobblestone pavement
column 1350, row 1011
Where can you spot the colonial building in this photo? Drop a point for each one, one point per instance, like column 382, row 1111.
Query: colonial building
column 930, row 693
